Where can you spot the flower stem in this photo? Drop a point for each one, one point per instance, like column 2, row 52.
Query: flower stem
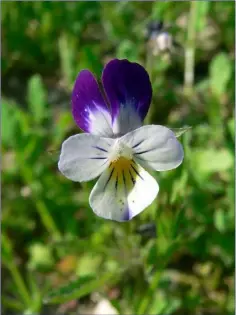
column 149, row 67
column 19, row 282
column 190, row 50
column 12, row 304
column 47, row 219
column 146, row 301
column 16, row 276
column 41, row 207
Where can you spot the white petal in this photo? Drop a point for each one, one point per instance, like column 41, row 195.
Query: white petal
column 123, row 192
column 155, row 147
column 84, row 156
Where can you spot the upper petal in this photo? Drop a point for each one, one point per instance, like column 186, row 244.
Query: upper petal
column 155, row 147
column 123, row 191
column 89, row 108
column 84, row 156
column 129, row 92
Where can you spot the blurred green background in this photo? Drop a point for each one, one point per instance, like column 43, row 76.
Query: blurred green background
column 57, row 256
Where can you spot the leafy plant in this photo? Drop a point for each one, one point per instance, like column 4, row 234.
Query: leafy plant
column 177, row 257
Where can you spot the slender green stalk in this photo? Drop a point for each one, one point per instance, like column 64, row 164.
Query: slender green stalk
column 16, row 276
column 149, row 67
column 12, row 304
column 42, row 209
column 19, row 282
column 190, row 50
column 147, row 300
column 47, row 219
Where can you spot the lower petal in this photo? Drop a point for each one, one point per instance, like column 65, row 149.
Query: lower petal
column 84, row 157
column 124, row 190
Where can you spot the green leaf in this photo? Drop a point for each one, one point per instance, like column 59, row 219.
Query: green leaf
column 13, row 303
column 66, row 51
column 61, row 126
column 37, row 99
column 40, row 256
column 202, row 8
column 231, row 127
column 7, row 250
column 220, row 74
column 88, row 264
column 161, row 305
column 89, row 59
column 160, row 8
column 220, row 219
column 8, row 123
column 13, row 119
column 127, row 49
column 208, row 161
column 79, row 288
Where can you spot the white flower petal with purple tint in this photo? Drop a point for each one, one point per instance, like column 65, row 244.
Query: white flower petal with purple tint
column 117, row 147
column 84, row 157
column 155, row 147
column 123, row 191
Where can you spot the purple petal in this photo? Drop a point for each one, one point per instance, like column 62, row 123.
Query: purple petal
column 89, row 108
column 127, row 85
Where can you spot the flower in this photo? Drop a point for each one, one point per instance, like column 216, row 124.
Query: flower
column 115, row 145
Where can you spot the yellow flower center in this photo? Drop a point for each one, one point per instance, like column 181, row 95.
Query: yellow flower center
column 121, row 164
column 121, row 152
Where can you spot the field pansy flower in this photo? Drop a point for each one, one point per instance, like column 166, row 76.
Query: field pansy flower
column 115, row 145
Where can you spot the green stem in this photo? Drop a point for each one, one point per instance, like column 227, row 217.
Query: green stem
column 19, row 282
column 42, row 209
column 147, row 300
column 47, row 220
column 149, row 67
column 16, row 276
column 12, row 304
column 190, row 50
